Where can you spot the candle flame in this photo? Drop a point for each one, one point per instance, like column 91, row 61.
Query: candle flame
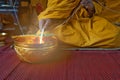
column 41, row 41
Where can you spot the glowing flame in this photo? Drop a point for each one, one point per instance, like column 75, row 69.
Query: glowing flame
column 41, row 40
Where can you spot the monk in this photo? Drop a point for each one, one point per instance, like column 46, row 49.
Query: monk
column 81, row 23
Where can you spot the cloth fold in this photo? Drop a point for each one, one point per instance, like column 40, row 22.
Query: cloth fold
column 82, row 31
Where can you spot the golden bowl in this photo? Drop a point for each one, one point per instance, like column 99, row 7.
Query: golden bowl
column 30, row 50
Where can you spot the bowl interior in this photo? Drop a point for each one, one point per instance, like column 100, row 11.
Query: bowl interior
column 33, row 41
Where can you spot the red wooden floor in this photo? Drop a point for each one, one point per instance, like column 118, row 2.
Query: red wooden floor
column 83, row 65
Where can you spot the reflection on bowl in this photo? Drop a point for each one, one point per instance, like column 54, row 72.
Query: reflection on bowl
column 30, row 50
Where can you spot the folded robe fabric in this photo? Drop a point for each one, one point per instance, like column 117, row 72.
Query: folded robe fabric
column 111, row 10
column 82, row 31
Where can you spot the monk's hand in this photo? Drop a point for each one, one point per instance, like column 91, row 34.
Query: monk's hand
column 49, row 24
column 89, row 6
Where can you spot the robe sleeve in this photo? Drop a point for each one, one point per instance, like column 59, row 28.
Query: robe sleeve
column 58, row 9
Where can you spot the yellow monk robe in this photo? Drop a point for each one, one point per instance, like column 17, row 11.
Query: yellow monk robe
column 82, row 31
column 111, row 10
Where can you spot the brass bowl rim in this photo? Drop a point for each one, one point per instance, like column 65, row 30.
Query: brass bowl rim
column 36, row 48
column 27, row 35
